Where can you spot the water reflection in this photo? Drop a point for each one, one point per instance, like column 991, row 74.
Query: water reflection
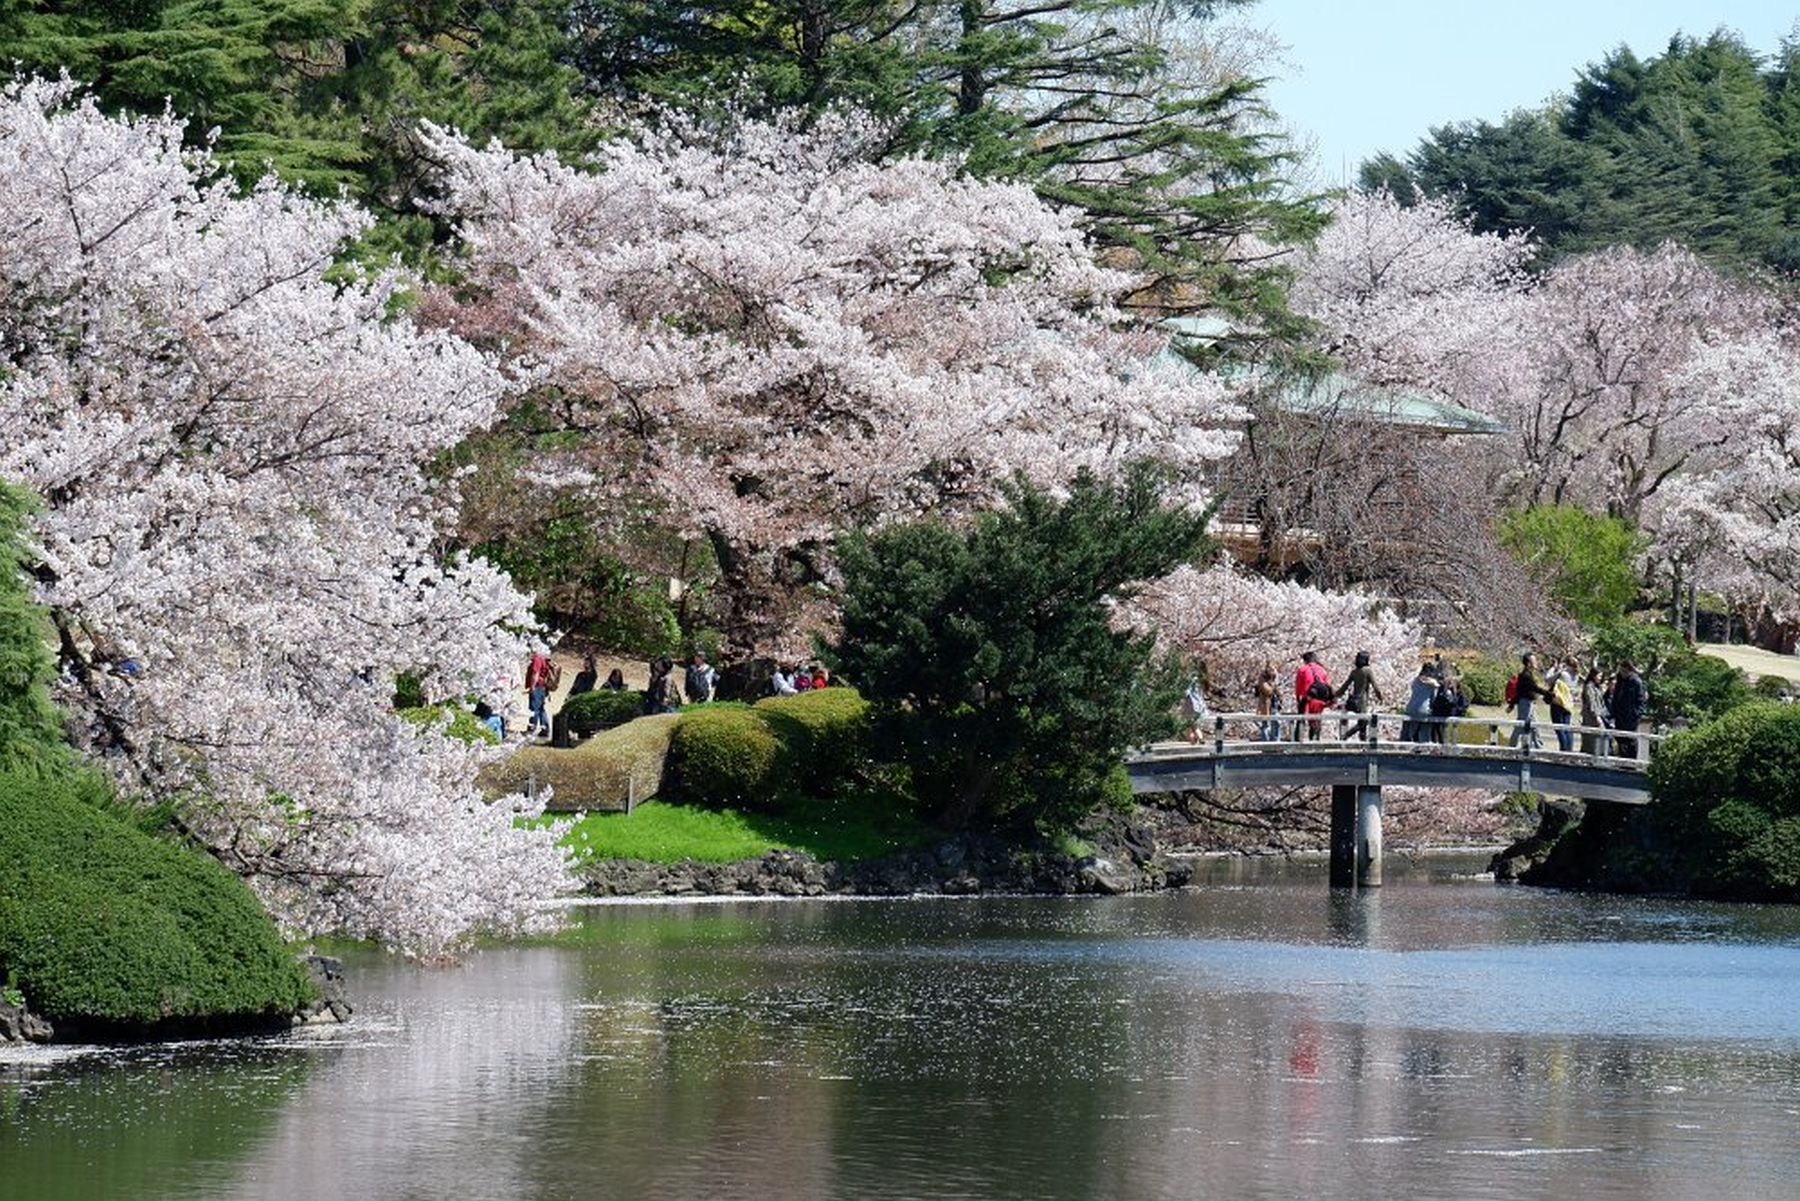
column 1261, row 1037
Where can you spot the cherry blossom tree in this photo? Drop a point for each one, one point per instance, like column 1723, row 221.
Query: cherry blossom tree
column 239, row 547
column 1236, row 623
column 1732, row 519
column 775, row 339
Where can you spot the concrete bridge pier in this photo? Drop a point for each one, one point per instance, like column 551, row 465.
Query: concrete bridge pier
column 1368, row 836
column 1355, row 836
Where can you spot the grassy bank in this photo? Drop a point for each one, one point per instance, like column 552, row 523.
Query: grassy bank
column 840, row 830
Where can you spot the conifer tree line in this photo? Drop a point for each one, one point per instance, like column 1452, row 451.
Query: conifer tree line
column 1699, row 144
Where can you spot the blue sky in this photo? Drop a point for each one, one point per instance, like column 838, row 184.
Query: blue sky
column 1370, row 76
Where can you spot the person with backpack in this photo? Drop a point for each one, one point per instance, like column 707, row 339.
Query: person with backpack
column 1630, row 697
column 1312, row 693
column 1449, row 702
column 1521, row 692
column 541, row 678
column 1359, row 686
column 1562, row 705
column 701, row 680
column 662, row 696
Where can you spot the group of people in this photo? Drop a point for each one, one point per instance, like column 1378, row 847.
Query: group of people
column 1615, row 702
column 1593, row 699
column 786, row 681
column 670, row 685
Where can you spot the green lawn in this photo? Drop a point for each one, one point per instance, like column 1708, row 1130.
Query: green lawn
column 841, row 830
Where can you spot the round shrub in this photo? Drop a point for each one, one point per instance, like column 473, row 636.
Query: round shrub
column 1725, row 818
column 724, row 756
column 824, row 735
column 602, row 709
column 107, row 930
column 1484, row 680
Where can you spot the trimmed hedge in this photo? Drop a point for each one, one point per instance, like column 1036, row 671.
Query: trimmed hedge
column 824, row 734
column 109, row 931
column 601, row 773
column 722, row 756
column 603, row 708
column 812, row 743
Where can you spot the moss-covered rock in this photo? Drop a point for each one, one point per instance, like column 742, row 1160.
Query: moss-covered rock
column 110, row 932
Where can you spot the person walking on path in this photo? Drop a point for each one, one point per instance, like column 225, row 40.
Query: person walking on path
column 1268, row 704
column 1360, row 686
column 1630, row 698
column 1595, row 715
column 1562, row 705
column 1424, row 691
column 662, row 696
column 540, row 678
column 1449, row 702
column 1312, row 693
column 701, row 680
column 1528, row 687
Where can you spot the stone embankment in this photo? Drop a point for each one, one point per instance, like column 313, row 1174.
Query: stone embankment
column 1124, row 857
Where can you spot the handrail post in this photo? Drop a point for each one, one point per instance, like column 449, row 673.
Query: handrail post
column 1219, row 734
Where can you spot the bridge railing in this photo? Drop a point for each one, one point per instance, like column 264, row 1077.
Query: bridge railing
column 1438, row 735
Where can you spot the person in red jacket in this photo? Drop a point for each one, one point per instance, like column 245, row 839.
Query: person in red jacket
column 1312, row 693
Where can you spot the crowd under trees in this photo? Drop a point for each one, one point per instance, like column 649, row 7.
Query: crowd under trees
column 337, row 329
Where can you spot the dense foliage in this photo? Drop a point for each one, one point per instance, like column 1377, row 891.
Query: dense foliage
column 991, row 656
column 1726, row 815
column 104, row 927
column 31, row 737
column 1697, row 145
column 1587, row 562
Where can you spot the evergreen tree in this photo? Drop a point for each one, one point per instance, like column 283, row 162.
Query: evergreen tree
column 1698, row 145
column 991, row 657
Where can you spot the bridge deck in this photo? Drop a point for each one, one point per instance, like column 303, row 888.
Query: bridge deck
column 1220, row 763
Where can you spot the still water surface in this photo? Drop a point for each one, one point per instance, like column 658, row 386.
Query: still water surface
column 1253, row 1037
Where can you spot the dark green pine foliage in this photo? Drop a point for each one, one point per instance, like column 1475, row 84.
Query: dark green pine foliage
column 1698, row 145
column 329, row 93
column 1078, row 97
column 989, row 658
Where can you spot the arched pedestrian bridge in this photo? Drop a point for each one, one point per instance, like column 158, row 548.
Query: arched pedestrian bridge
column 1496, row 754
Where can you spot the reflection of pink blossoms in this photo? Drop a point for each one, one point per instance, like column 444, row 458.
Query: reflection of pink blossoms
column 229, row 444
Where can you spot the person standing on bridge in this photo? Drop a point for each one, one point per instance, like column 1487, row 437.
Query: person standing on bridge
column 1629, row 699
column 1594, row 714
column 1268, row 704
column 1359, row 686
column 1529, row 687
column 1312, row 693
column 1424, row 691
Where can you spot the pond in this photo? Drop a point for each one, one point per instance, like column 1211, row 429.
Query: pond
column 1255, row 1036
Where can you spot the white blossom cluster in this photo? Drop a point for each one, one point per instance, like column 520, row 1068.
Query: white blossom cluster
column 781, row 340
column 239, row 543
